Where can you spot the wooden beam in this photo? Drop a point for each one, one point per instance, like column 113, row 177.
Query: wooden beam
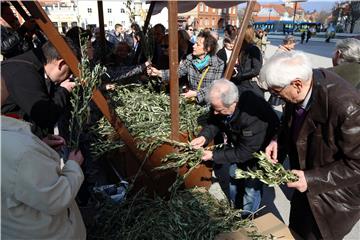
column 174, row 64
column 101, row 28
column 148, row 16
column 45, row 24
column 239, row 40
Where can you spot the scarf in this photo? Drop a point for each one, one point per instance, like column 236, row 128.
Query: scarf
column 200, row 64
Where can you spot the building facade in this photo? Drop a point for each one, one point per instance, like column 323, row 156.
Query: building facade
column 68, row 13
column 203, row 16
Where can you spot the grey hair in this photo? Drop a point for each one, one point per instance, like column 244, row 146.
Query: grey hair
column 349, row 49
column 225, row 89
column 283, row 68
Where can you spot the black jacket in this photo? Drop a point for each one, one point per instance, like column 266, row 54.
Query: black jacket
column 249, row 130
column 222, row 55
column 250, row 64
column 13, row 43
column 28, row 93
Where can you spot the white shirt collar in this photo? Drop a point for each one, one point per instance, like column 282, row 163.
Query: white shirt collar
column 305, row 103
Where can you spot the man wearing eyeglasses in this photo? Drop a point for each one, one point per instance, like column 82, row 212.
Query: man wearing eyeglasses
column 190, row 30
column 321, row 134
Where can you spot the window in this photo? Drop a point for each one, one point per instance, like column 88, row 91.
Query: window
column 219, row 11
column 213, row 22
column 122, row 10
column 206, row 8
column 206, row 22
column 109, row 10
column 123, row 23
column 89, row 10
column 229, row 11
column 201, row 7
column 110, row 23
column 233, row 22
column 214, row 10
column 224, row 10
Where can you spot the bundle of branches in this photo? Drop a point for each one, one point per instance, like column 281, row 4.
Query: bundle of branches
column 105, row 138
column 81, row 95
column 146, row 114
column 188, row 215
column 148, row 43
column 268, row 172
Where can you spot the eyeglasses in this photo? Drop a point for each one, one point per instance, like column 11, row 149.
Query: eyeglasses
column 277, row 91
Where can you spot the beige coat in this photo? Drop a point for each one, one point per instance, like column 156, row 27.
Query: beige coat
column 37, row 197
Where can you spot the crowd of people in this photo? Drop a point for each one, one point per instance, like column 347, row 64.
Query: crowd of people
column 319, row 130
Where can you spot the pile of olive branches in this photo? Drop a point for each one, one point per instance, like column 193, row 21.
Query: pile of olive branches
column 146, row 114
column 188, row 215
column 268, row 172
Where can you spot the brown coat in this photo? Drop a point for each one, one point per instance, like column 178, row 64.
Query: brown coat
column 328, row 150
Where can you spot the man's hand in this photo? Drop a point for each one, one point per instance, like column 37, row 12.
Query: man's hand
column 54, row 141
column 198, row 142
column 67, row 85
column 189, row 94
column 271, row 151
column 110, row 87
column 151, row 71
column 76, row 156
column 301, row 184
column 208, row 155
column 147, row 63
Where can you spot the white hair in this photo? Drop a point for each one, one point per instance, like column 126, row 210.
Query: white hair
column 225, row 89
column 349, row 49
column 283, row 68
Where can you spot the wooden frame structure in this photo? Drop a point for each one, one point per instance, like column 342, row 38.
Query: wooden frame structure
column 43, row 21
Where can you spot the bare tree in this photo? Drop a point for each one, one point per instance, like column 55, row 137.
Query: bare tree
column 322, row 17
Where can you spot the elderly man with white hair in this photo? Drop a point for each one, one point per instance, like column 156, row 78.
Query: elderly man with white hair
column 249, row 124
column 346, row 60
column 321, row 134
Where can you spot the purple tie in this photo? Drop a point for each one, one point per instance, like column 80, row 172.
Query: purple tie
column 299, row 116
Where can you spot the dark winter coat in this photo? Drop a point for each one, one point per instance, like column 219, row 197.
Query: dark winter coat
column 28, row 92
column 249, row 130
column 328, row 151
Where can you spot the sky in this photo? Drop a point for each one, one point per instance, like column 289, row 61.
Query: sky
column 309, row 5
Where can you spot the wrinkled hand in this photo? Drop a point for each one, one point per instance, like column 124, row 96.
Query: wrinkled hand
column 189, row 94
column 110, row 87
column 207, row 156
column 198, row 142
column 151, row 71
column 67, row 85
column 301, row 184
column 271, row 151
column 148, row 63
column 76, row 156
column 54, row 141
